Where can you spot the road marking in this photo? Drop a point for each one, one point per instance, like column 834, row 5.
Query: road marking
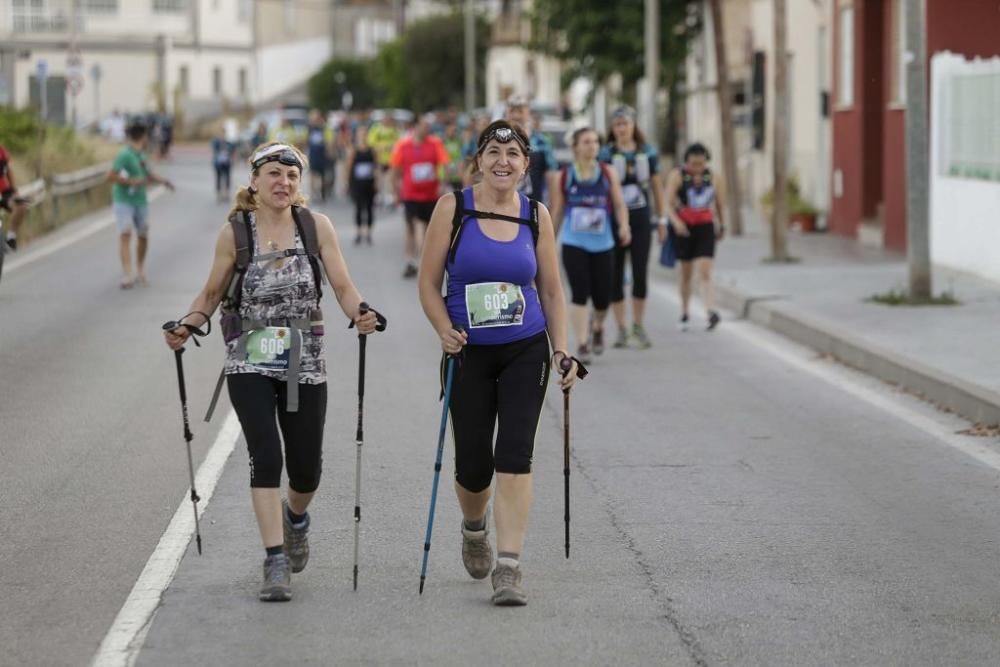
column 124, row 640
column 70, row 239
column 876, row 395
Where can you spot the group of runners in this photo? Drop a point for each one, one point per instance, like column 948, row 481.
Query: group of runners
column 490, row 284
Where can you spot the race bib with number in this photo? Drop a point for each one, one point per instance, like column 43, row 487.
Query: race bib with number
column 270, row 348
column 494, row 305
column 421, row 172
column 586, row 220
column 634, row 195
column 364, row 170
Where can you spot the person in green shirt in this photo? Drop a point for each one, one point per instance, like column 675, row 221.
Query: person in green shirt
column 130, row 174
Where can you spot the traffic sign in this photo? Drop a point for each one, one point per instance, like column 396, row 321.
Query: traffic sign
column 41, row 71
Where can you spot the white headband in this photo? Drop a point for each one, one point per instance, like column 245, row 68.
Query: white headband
column 264, row 152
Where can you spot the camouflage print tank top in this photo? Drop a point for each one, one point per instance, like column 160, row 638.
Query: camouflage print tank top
column 282, row 289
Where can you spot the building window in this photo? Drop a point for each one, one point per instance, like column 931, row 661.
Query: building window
column 243, row 81
column 98, row 6
column 36, row 16
column 845, row 56
column 243, row 10
column 170, row 6
column 217, row 80
column 970, row 143
column 899, row 52
column 182, row 79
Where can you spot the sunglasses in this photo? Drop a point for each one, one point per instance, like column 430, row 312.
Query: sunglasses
column 504, row 135
column 282, row 154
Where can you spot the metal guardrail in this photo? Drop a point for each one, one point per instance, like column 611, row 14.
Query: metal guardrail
column 76, row 182
column 34, row 192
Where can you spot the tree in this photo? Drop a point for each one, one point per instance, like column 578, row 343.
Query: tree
column 733, row 197
column 432, row 57
column 596, row 38
column 779, row 220
column 391, row 76
column 326, row 87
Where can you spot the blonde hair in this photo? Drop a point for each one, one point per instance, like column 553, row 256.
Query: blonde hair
column 245, row 200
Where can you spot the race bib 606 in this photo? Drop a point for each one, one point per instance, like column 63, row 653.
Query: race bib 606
column 270, row 348
column 494, row 305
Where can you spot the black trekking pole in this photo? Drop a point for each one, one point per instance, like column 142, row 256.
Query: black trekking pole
column 566, row 365
column 188, row 436
column 360, row 435
column 449, row 376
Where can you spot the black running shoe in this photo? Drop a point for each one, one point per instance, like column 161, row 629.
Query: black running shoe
column 683, row 325
column 713, row 319
column 597, row 341
column 12, row 243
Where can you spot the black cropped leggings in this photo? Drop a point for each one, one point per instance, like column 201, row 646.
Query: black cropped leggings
column 638, row 254
column 499, row 387
column 257, row 399
column 589, row 275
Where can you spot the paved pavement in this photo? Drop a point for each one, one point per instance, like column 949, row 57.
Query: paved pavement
column 737, row 499
column 945, row 353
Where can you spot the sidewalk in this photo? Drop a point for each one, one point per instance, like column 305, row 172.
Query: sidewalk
column 944, row 353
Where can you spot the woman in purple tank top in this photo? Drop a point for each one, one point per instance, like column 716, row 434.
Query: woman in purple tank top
column 505, row 294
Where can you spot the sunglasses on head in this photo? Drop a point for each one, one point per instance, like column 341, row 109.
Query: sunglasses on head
column 282, row 154
column 504, row 135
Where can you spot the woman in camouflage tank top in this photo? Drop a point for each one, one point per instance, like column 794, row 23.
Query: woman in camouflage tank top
column 278, row 305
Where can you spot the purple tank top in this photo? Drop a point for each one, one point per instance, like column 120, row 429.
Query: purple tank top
column 491, row 290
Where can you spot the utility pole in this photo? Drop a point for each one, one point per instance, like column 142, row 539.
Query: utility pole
column 652, row 68
column 918, row 247
column 779, row 221
column 470, row 56
column 733, row 198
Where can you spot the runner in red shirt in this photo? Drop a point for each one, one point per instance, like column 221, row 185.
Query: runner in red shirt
column 9, row 199
column 417, row 162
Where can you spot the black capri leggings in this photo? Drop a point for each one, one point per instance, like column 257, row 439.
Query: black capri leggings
column 589, row 275
column 256, row 398
column 638, row 253
column 500, row 386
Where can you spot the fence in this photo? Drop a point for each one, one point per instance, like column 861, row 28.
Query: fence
column 82, row 181
column 965, row 163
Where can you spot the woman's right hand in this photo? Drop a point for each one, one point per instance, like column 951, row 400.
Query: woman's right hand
column 453, row 340
column 176, row 337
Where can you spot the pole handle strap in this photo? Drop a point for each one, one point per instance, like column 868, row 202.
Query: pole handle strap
column 380, row 322
column 195, row 332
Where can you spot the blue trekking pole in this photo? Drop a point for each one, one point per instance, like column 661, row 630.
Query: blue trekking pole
column 449, row 374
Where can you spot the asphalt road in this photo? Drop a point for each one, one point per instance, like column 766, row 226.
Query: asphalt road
column 729, row 508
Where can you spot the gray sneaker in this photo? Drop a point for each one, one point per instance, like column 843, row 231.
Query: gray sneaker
column 641, row 337
column 277, row 586
column 296, row 540
column 507, row 591
column 477, row 554
column 597, row 341
column 622, row 340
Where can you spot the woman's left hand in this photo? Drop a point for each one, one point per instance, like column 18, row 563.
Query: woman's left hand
column 624, row 235
column 366, row 323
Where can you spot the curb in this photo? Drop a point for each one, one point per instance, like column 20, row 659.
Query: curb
column 974, row 402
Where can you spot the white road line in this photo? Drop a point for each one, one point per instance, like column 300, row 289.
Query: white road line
column 124, row 640
column 878, row 396
column 75, row 237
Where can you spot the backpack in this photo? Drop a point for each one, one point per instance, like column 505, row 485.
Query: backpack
column 687, row 181
column 461, row 213
column 230, row 320
column 564, row 176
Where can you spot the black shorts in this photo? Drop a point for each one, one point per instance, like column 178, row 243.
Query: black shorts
column 418, row 211
column 6, row 197
column 701, row 242
column 590, row 275
column 501, row 389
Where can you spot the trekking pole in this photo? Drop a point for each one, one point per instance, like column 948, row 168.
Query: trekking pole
column 359, row 439
column 565, row 365
column 188, row 436
column 449, row 375
column 360, row 436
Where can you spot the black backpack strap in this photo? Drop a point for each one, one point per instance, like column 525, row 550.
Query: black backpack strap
column 243, row 240
column 456, row 224
column 306, row 224
column 461, row 213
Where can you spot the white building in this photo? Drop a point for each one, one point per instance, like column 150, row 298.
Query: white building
column 750, row 52
column 196, row 57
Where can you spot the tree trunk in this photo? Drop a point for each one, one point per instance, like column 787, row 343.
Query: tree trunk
column 733, row 198
column 779, row 221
